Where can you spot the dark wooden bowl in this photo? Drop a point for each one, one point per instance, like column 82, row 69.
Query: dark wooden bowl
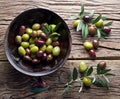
column 28, row 18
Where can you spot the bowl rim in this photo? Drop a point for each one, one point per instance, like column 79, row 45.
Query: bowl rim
column 36, row 73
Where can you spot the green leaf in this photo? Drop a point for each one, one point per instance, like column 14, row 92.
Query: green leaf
column 98, row 69
column 108, row 24
column 82, row 10
column 79, row 26
column 89, row 71
column 91, row 14
column 46, row 29
column 97, row 83
column 57, row 26
column 74, row 17
column 105, row 71
column 38, row 90
column 96, row 19
column 86, row 32
column 74, row 74
column 98, row 34
column 53, row 35
column 83, row 30
column 109, row 74
column 103, row 18
column 78, row 80
column 67, row 89
column 104, row 34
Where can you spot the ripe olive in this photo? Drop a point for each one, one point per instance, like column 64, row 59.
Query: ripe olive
column 39, row 42
column 75, row 23
column 43, row 36
column 92, row 53
column 27, row 51
column 44, row 57
column 86, row 18
column 35, row 61
column 25, row 37
column 87, row 81
column 49, row 49
column 27, row 58
column 21, row 51
column 49, row 57
column 40, row 53
column 106, row 29
column 22, row 30
column 92, row 30
column 99, row 23
column 36, row 26
column 18, row 39
column 82, row 67
column 55, row 43
column 28, row 31
column 25, row 44
column 56, row 51
column 88, row 45
column 95, row 44
column 102, row 65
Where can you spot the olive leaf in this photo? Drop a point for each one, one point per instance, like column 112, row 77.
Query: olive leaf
column 91, row 14
column 67, row 89
column 57, row 26
column 104, row 34
column 86, row 32
column 97, row 83
column 105, row 71
column 109, row 74
column 53, row 35
column 38, row 89
column 82, row 10
column 74, row 17
column 79, row 26
column 83, row 30
column 74, row 74
column 98, row 33
column 46, row 29
column 89, row 71
column 103, row 18
column 98, row 69
column 96, row 19
column 108, row 24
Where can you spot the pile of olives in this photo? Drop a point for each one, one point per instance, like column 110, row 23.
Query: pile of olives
column 35, row 46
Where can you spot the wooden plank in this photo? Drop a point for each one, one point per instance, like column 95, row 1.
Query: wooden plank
column 16, row 85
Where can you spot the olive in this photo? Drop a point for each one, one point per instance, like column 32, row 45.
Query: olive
column 106, row 29
column 48, row 41
column 34, row 49
column 95, row 44
column 75, row 23
column 86, row 18
column 39, row 32
column 35, row 61
column 39, row 42
column 92, row 53
column 99, row 23
column 102, row 65
column 39, row 53
column 18, row 39
column 27, row 58
column 49, row 57
column 25, row 37
column 36, row 26
column 33, row 55
column 25, row 44
column 44, row 57
column 31, row 45
column 54, row 38
column 53, row 26
column 34, row 34
column 43, row 48
column 55, row 43
column 88, row 45
column 27, row 51
column 28, row 31
column 87, row 81
column 92, row 30
column 56, row 51
column 21, row 51
column 22, row 30
column 49, row 49
column 43, row 36
column 82, row 67
column 32, row 40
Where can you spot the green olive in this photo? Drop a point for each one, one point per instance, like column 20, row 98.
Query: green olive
column 28, row 31
column 52, row 27
column 25, row 44
column 32, row 55
column 32, row 40
column 75, row 23
column 34, row 49
column 48, row 41
column 21, row 51
column 49, row 49
column 31, row 45
column 39, row 32
column 88, row 45
column 43, row 48
column 56, row 51
column 82, row 67
column 36, row 26
column 99, row 23
column 87, row 81
column 18, row 39
column 25, row 37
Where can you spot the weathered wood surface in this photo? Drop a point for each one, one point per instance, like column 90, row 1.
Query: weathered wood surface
column 14, row 85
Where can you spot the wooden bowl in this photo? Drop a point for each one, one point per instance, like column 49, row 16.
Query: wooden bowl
column 27, row 18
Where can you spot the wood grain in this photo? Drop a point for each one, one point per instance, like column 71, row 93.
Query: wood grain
column 14, row 85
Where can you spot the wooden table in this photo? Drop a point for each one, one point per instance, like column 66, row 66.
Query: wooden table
column 14, row 85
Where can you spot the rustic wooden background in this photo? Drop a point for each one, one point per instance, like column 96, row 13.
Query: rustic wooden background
column 14, row 85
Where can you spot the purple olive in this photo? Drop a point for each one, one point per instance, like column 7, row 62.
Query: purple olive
column 27, row 51
column 49, row 57
column 35, row 61
column 102, row 65
column 44, row 57
column 43, row 36
column 106, row 29
column 39, row 42
column 95, row 44
column 92, row 53
column 22, row 30
column 27, row 58
column 40, row 53
column 87, row 19
column 55, row 43
column 92, row 30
